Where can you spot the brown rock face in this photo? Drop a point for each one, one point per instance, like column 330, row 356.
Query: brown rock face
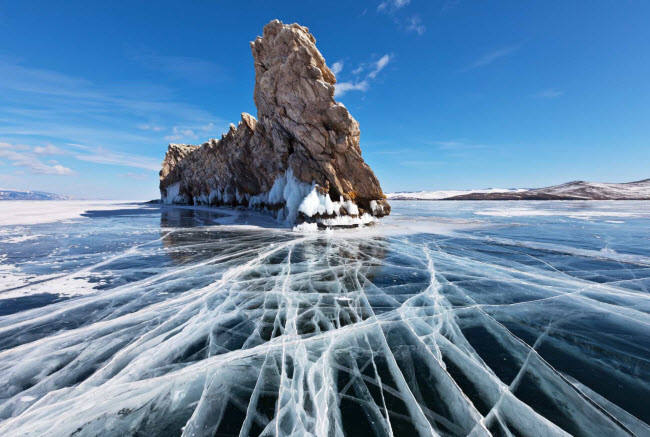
column 302, row 135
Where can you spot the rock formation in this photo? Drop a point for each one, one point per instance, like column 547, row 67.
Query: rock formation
column 301, row 157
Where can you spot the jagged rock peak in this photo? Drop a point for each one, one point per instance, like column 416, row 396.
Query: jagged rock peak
column 301, row 157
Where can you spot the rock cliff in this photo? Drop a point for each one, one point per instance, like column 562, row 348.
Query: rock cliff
column 300, row 159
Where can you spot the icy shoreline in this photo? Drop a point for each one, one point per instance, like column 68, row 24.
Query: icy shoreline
column 289, row 201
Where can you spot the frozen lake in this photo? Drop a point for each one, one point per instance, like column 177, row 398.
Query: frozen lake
column 447, row 318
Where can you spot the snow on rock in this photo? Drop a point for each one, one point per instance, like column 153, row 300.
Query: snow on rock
column 300, row 159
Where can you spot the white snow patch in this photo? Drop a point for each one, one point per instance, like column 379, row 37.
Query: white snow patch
column 29, row 212
column 19, row 239
column 346, row 220
column 306, row 227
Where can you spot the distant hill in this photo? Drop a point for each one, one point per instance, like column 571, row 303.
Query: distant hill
column 29, row 195
column 577, row 190
column 442, row 195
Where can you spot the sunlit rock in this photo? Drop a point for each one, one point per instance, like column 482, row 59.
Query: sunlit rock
column 300, row 159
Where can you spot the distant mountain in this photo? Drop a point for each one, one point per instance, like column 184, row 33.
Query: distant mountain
column 442, row 195
column 577, row 190
column 29, row 195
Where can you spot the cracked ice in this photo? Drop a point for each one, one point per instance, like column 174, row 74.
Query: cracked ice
column 163, row 323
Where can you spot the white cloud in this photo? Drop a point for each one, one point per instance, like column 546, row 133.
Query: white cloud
column 457, row 145
column 178, row 67
column 207, row 127
column 550, row 93
column 151, row 127
column 379, row 65
column 48, row 150
column 100, row 155
column 77, row 111
column 79, row 146
column 337, row 67
column 414, row 24
column 189, row 133
column 390, row 6
column 19, row 157
column 490, row 57
column 342, row 88
column 179, row 134
column 359, row 69
column 55, row 169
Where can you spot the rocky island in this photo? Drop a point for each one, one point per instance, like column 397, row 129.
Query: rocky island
column 300, row 159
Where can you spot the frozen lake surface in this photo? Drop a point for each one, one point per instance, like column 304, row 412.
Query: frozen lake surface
column 446, row 318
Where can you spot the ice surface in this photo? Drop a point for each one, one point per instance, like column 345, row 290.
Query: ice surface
column 28, row 212
column 436, row 321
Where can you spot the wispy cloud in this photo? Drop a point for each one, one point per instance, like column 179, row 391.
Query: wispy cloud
column 414, row 24
column 48, row 150
column 363, row 84
column 550, row 93
column 135, row 176
column 379, row 65
column 180, row 133
column 177, row 67
column 450, row 4
column 395, row 10
column 492, row 56
column 151, row 127
column 343, row 87
column 337, row 67
column 457, row 145
column 400, row 151
column 76, row 118
column 46, row 95
column 100, row 155
column 420, row 163
column 390, row 6
column 22, row 156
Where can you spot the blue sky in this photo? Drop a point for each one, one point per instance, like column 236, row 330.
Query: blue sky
column 449, row 94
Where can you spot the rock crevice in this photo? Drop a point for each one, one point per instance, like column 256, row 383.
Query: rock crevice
column 302, row 140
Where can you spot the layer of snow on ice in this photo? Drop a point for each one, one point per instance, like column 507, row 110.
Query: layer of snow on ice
column 306, row 227
column 439, row 195
column 510, row 211
column 20, row 238
column 29, row 212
